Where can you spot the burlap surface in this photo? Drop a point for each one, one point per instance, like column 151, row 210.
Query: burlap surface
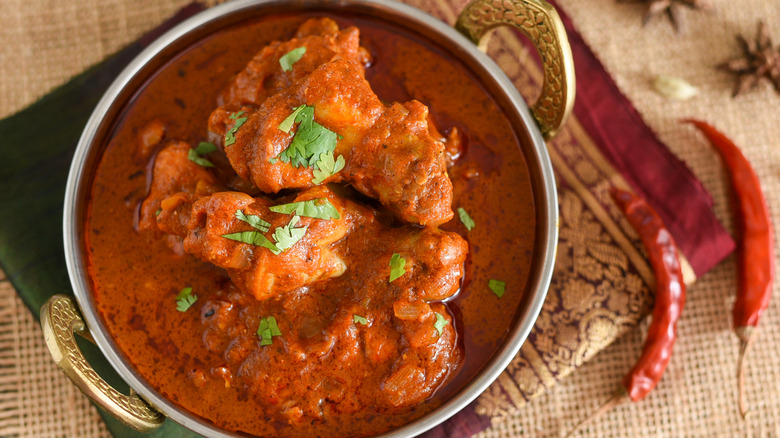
column 44, row 42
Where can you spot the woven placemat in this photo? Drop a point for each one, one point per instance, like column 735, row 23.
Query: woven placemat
column 45, row 42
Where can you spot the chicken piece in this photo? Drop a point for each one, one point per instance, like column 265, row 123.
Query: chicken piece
column 172, row 173
column 317, row 26
column 389, row 152
column 323, row 40
column 343, row 102
column 402, row 165
column 259, row 270
column 426, row 361
column 434, row 263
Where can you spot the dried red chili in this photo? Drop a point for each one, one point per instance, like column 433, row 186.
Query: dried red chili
column 755, row 245
column 669, row 301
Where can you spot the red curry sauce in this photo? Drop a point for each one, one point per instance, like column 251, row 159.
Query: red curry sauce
column 136, row 274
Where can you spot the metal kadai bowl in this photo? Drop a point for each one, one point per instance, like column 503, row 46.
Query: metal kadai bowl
column 145, row 409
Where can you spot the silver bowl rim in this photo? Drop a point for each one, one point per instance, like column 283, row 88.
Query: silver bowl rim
column 78, row 174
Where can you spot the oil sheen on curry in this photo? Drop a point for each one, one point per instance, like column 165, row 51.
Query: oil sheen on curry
column 310, row 225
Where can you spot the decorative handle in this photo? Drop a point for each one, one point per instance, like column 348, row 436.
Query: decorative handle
column 539, row 21
column 60, row 321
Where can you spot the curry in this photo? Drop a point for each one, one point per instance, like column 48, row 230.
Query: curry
column 271, row 231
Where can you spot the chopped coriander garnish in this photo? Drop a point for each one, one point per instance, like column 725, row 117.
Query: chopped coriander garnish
column 440, row 323
column 397, row 264
column 357, row 319
column 205, row 147
column 310, row 141
column 255, row 238
column 185, row 299
column 287, row 236
column 255, row 221
column 291, row 57
column 267, row 330
column 196, row 155
column 193, row 156
column 497, row 286
column 468, row 222
column 157, row 213
column 288, row 123
column 327, row 167
column 230, row 136
column 319, row 208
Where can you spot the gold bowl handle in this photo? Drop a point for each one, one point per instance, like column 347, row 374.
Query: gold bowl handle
column 61, row 321
column 539, row 21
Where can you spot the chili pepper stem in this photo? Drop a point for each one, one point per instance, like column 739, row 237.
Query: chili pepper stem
column 746, row 336
column 620, row 396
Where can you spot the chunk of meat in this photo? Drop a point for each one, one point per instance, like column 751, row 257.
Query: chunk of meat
column 425, row 363
column 434, row 263
column 323, row 40
column 402, row 165
column 255, row 269
column 389, row 152
column 174, row 173
column 343, row 102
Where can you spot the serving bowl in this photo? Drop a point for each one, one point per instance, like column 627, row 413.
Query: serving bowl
column 145, row 408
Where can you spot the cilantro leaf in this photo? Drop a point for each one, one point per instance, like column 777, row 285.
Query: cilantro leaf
column 255, row 221
column 287, row 123
column 291, row 57
column 319, row 208
column 230, row 136
column 468, row 222
column 498, row 287
column 287, row 236
column 357, row 319
column 193, row 156
column 397, row 264
column 440, row 323
column 196, row 155
column 273, row 327
column 205, row 147
column 327, row 167
column 267, row 329
column 185, row 299
column 265, row 337
column 255, row 238
column 310, row 141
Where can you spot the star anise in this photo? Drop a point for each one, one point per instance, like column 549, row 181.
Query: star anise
column 675, row 9
column 759, row 60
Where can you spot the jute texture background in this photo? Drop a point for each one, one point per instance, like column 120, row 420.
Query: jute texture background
column 44, row 42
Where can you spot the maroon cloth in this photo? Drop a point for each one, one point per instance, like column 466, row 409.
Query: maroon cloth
column 630, row 145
